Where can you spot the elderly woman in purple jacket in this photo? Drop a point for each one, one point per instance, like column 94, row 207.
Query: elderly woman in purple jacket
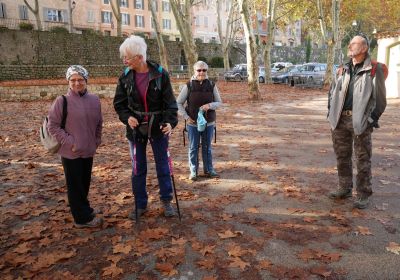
column 79, row 141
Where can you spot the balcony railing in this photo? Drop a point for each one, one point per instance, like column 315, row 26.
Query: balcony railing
column 12, row 23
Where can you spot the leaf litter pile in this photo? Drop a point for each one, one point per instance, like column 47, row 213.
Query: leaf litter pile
column 266, row 217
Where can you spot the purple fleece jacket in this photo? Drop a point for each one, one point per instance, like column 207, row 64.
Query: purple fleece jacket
column 83, row 125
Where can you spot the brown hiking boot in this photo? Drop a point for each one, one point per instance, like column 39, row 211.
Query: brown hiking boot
column 340, row 193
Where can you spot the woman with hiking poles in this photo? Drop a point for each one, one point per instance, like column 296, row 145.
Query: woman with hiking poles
column 145, row 103
column 200, row 95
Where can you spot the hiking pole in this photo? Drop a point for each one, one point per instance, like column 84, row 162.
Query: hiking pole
column 173, row 183
column 134, row 194
column 183, row 134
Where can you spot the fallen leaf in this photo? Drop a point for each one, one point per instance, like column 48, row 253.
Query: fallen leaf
column 321, row 270
column 113, row 270
column 207, row 250
column 394, row 248
column 208, row 263
column 22, row 248
column 122, row 248
column 48, row 259
column 264, row 264
column 252, row 210
column 209, row 278
column 180, row 241
column 363, row 230
column 238, row 262
column 156, row 233
column 236, row 251
column 227, row 234
column 166, row 269
column 309, row 219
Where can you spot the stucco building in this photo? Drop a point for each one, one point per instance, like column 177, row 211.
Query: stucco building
column 389, row 53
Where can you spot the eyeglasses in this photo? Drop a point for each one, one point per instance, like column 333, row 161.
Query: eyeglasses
column 81, row 81
column 131, row 58
column 201, row 70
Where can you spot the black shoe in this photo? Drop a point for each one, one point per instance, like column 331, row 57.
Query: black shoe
column 340, row 193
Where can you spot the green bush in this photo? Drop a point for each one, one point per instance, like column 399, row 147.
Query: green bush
column 59, row 29
column 217, row 62
column 25, row 26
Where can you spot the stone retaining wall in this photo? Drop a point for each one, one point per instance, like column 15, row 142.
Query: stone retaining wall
column 46, row 92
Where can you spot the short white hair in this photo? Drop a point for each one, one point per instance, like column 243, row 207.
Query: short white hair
column 200, row 65
column 133, row 45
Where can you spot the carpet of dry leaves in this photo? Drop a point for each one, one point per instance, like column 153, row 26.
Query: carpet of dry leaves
column 267, row 217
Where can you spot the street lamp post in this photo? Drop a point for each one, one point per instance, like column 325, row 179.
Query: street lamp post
column 71, row 5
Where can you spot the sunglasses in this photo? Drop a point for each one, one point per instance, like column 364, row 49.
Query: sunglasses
column 201, row 70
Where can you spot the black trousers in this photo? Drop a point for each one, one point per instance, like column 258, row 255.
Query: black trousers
column 78, row 174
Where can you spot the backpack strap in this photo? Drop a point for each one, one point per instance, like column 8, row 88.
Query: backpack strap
column 375, row 64
column 159, row 79
column 65, row 112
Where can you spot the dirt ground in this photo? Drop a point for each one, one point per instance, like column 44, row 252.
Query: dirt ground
column 267, row 217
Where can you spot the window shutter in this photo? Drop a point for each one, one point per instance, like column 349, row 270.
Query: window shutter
column 45, row 14
column 21, row 11
column 64, row 16
column 3, row 10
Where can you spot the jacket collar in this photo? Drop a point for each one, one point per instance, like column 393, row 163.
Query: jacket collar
column 154, row 71
column 366, row 64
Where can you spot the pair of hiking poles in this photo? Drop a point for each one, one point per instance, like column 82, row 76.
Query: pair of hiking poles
column 170, row 165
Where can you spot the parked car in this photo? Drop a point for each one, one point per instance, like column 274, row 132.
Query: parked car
column 294, row 71
column 237, row 73
column 276, row 66
column 281, row 76
column 310, row 74
column 261, row 74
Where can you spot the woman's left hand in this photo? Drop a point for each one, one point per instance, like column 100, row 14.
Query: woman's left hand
column 205, row 107
column 166, row 128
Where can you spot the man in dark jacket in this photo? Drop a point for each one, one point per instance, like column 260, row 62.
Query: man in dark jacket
column 145, row 103
column 356, row 101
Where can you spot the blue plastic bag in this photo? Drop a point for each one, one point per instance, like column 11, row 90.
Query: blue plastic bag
column 201, row 121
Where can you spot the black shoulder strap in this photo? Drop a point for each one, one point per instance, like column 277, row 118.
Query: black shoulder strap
column 64, row 115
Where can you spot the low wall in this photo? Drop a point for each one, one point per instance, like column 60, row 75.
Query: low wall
column 48, row 92
column 33, row 72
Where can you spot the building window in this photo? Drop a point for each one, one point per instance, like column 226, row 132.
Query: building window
column 55, row 15
column 166, row 24
column 139, row 21
column 106, row 17
column 23, row 12
column 126, row 19
column 197, row 21
column 91, row 17
column 107, row 32
column 165, row 6
column 155, row 5
column 106, row 2
column 205, row 21
column 139, row 4
column 123, row 3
